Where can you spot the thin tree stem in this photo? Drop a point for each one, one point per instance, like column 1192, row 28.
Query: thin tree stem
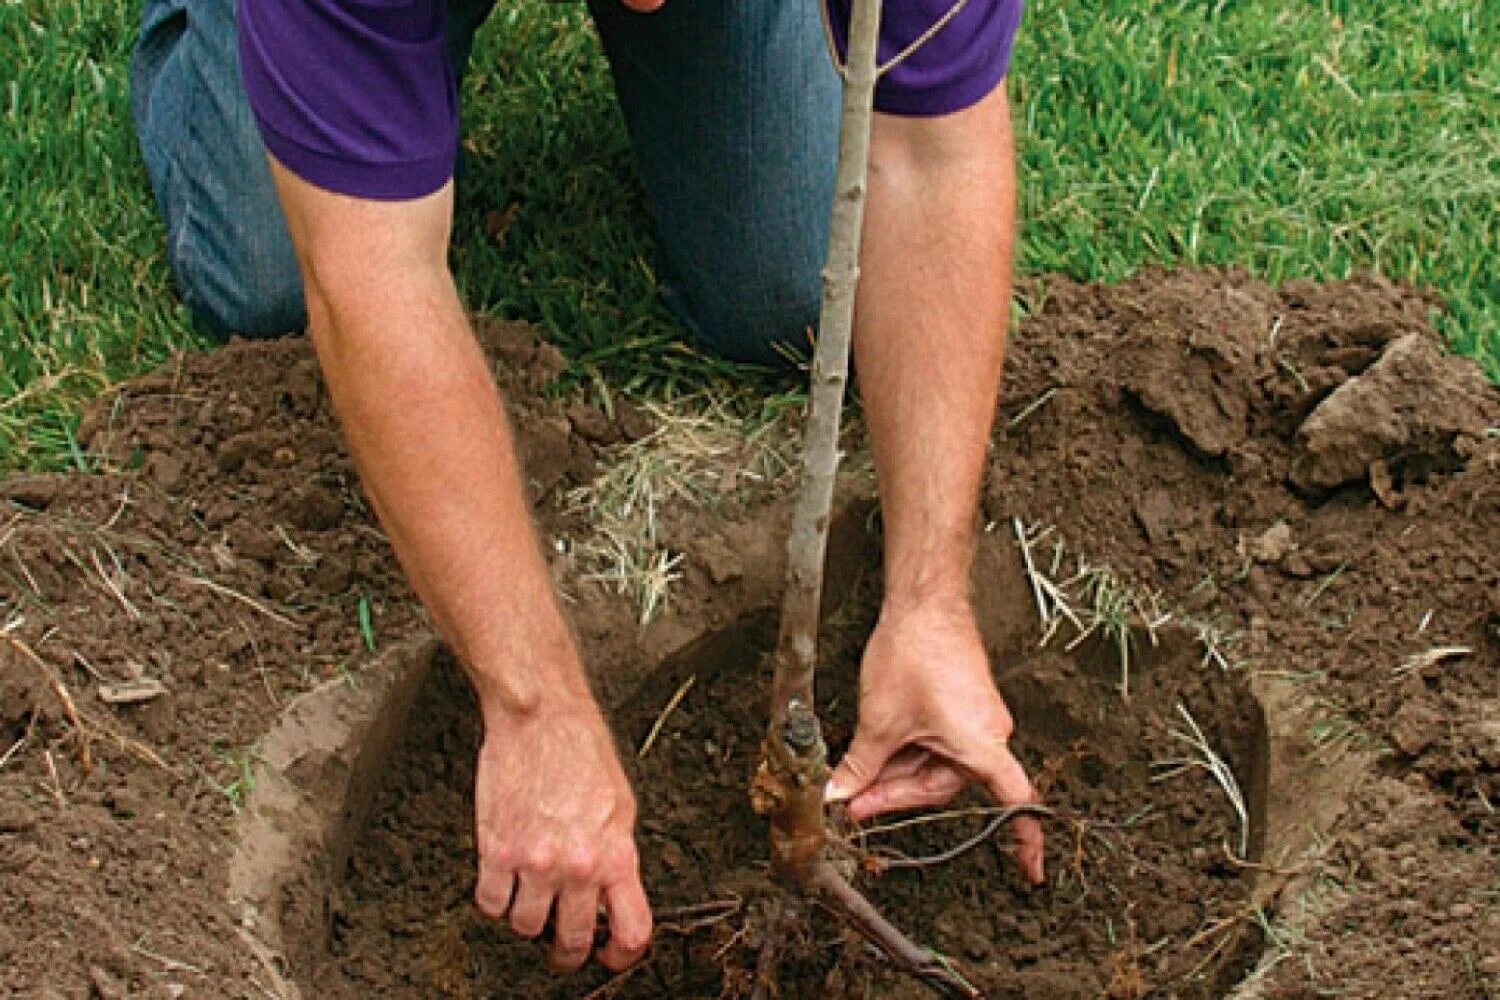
column 796, row 760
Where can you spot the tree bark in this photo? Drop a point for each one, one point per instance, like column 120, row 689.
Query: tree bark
column 796, row 766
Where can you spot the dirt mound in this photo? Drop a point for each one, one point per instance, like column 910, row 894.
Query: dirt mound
column 1306, row 474
column 218, row 561
column 1299, row 475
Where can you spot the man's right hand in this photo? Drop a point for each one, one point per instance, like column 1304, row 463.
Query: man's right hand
column 555, row 822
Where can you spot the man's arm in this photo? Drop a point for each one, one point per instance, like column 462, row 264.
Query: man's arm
column 429, row 435
column 930, row 325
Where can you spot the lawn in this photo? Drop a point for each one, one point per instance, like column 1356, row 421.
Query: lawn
column 1294, row 139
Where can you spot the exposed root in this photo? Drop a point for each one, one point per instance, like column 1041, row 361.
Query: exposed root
column 997, row 820
column 684, row 920
column 778, row 929
column 615, row 982
column 846, row 902
column 661, row 719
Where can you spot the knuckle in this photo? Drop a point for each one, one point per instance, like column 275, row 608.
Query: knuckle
column 620, row 857
column 497, row 856
column 579, row 865
column 540, row 859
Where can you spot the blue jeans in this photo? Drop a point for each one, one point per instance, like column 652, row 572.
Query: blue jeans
column 732, row 106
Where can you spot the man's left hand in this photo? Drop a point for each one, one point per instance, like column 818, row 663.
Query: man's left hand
column 930, row 721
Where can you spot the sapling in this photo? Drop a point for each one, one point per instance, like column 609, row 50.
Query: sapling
column 794, row 767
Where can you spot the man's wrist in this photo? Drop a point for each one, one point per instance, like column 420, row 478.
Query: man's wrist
column 927, row 583
column 532, row 673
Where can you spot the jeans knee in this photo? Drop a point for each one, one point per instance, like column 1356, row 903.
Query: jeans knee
column 766, row 316
column 240, row 291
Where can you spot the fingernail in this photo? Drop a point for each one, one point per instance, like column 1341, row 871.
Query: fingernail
column 834, row 791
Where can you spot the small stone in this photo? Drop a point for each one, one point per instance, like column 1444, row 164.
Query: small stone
column 334, row 574
column 1461, row 911
column 1383, row 485
column 1274, row 543
column 132, row 692
column 1155, row 515
column 724, row 565
column 1259, row 582
column 1414, row 728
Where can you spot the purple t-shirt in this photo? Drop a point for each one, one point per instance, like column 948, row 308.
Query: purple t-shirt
column 358, row 97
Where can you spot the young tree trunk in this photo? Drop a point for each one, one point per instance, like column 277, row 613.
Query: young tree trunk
column 794, row 765
column 796, row 759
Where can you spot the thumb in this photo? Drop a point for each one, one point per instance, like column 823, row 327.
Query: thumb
column 860, row 766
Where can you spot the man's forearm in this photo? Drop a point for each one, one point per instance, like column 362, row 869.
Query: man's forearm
column 930, row 332
column 429, row 435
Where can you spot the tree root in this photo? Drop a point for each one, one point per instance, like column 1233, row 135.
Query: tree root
column 884, row 864
column 835, row 893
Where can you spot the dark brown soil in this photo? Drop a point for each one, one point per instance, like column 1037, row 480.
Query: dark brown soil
column 1139, row 863
column 1302, row 470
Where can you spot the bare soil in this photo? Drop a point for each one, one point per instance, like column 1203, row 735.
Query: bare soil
column 1300, row 476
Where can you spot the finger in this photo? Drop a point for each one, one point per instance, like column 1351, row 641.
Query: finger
column 577, row 913
column 904, row 763
column 934, row 785
column 1007, row 783
column 629, row 923
column 532, row 903
column 644, row 6
column 493, row 893
column 861, row 765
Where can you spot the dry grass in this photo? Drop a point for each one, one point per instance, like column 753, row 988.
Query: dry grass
column 1206, row 758
column 1093, row 600
column 700, row 456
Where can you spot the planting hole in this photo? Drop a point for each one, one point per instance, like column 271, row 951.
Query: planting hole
column 1148, row 887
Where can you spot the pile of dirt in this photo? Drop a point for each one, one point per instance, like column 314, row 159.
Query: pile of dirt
column 1301, row 475
column 162, row 610
column 1308, row 473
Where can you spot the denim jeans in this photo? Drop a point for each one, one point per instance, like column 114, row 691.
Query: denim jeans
column 732, row 106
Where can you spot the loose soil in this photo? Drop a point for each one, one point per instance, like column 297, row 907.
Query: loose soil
column 1300, row 476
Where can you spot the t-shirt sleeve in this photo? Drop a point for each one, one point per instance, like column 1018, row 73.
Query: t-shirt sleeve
column 958, row 66
column 353, row 96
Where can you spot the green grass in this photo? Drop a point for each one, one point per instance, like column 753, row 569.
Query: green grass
column 1295, row 139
